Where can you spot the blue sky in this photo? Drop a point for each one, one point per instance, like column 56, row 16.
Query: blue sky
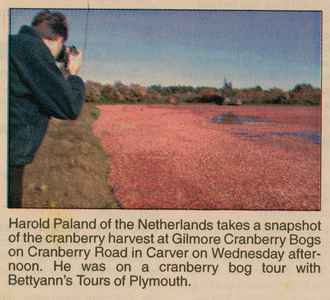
column 199, row 48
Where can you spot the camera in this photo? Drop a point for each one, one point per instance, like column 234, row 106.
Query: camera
column 63, row 56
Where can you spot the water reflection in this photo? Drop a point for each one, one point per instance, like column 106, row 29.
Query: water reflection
column 231, row 118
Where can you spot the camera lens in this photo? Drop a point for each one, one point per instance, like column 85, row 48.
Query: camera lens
column 61, row 55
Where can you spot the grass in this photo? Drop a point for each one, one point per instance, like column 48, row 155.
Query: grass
column 70, row 169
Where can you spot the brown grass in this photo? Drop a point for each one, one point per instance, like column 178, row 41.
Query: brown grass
column 70, row 169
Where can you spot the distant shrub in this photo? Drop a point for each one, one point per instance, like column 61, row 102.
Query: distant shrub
column 119, row 93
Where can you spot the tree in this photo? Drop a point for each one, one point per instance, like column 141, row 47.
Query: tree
column 228, row 90
column 137, row 92
column 305, row 94
column 276, row 96
column 122, row 90
column 107, row 93
column 154, row 89
column 93, row 91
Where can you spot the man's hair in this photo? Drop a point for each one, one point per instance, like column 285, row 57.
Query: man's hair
column 50, row 25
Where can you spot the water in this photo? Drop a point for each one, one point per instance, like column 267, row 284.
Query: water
column 245, row 134
column 308, row 136
column 231, row 118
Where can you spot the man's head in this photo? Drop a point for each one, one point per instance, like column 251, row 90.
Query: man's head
column 53, row 28
column 51, row 25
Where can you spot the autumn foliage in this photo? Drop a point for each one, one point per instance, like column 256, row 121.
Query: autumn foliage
column 119, row 93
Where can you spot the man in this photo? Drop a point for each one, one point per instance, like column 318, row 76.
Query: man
column 38, row 91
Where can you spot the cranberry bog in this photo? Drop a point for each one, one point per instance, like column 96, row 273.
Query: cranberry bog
column 213, row 157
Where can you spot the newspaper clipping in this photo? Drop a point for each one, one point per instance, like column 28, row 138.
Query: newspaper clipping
column 164, row 150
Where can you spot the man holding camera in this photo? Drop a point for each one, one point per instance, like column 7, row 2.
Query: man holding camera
column 38, row 91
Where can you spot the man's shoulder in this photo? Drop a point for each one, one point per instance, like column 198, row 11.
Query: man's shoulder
column 27, row 31
column 27, row 44
column 26, row 35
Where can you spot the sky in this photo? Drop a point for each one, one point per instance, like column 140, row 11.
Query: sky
column 194, row 47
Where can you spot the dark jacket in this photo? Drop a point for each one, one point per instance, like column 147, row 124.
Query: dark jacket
column 37, row 91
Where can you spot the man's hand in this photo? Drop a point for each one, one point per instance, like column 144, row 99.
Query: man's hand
column 74, row 63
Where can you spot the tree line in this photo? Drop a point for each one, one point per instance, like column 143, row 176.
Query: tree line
column 119, row 93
